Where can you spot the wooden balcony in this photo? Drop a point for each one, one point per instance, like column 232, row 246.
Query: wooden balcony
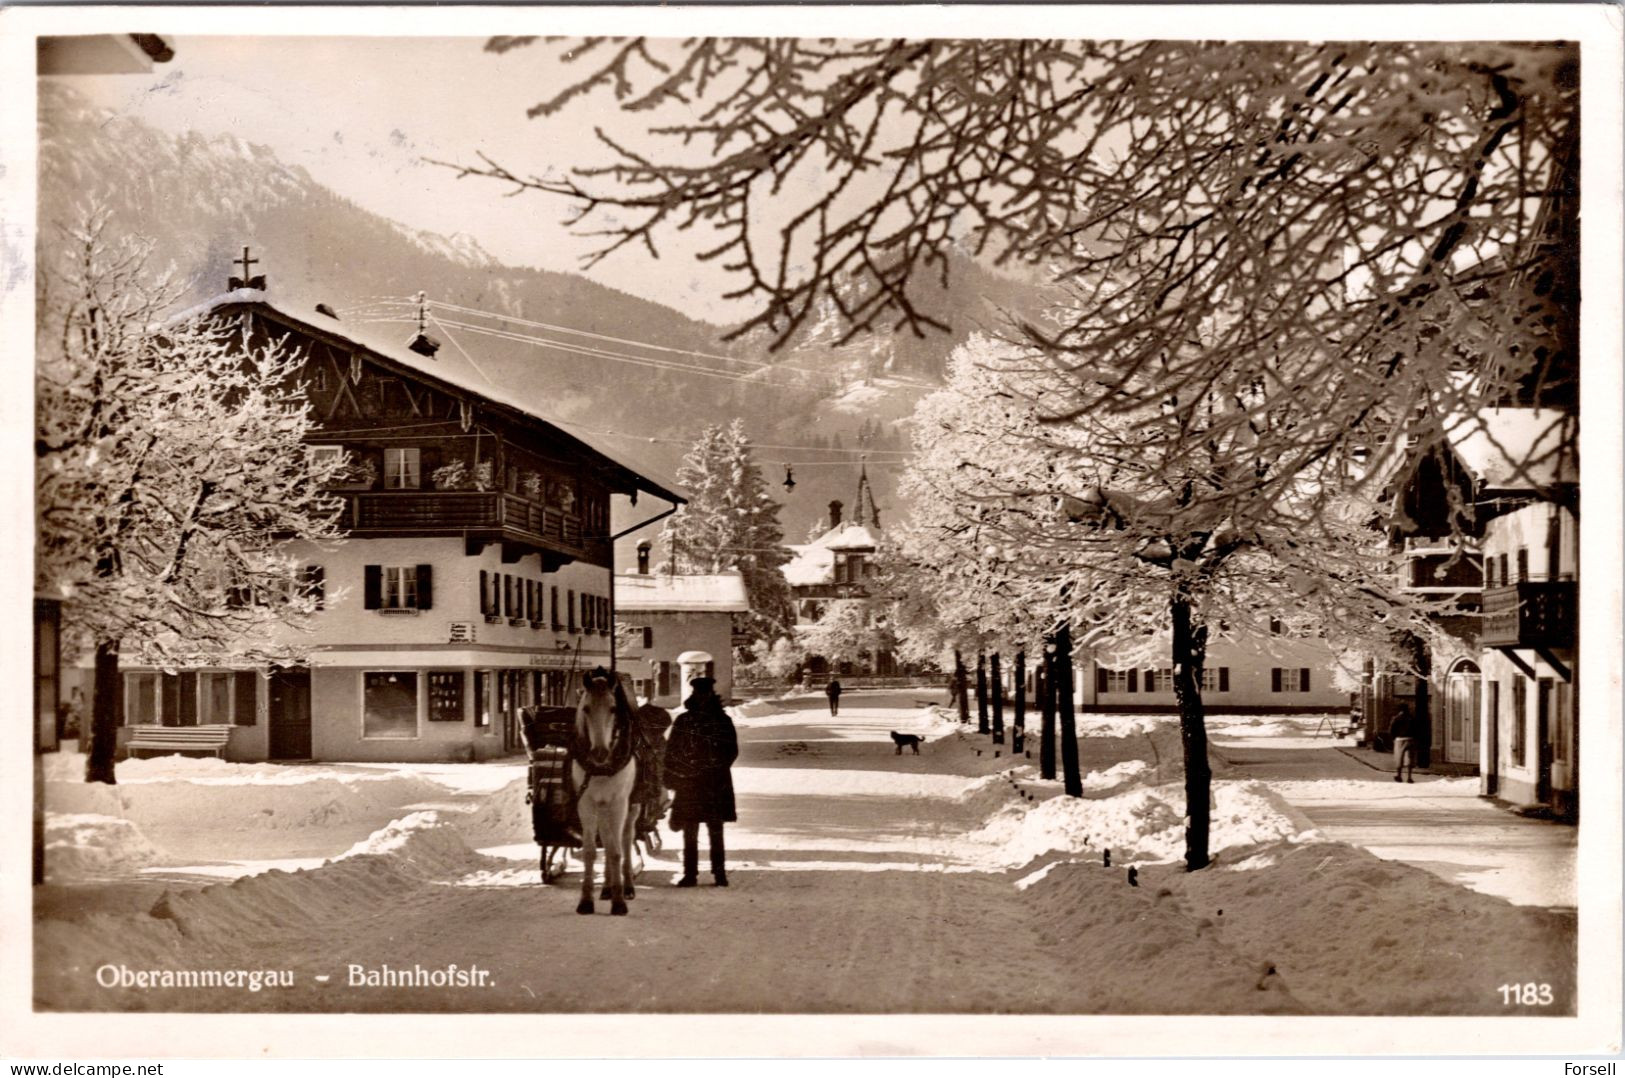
column 481, row 515
column 1529, row 614
column 1431, row 572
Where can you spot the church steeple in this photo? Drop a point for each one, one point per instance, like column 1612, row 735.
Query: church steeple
column 866, row 497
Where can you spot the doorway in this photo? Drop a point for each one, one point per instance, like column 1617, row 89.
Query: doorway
column 1463, row 695
column 290, row 714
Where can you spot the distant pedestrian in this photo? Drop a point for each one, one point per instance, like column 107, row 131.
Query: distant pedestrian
column 701, row 751
column 833, row 691
column 1403, row 731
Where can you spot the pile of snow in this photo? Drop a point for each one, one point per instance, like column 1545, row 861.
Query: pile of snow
column 1141, row 825
column 425, row 844
column 90, row 846
column 503, row 816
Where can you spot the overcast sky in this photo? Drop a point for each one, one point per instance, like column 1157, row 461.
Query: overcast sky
column 362, row 114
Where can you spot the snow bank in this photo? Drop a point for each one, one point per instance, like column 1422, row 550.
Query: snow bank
column 1140, row 825
column 89, row 846
column 501, row 817
column 425, row 844
column 320, row 800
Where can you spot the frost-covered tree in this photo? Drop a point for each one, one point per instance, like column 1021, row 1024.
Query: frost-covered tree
column 850, row 631
column 731, row 522
column 1141, row 533
column 1381, row 210
column 170, row 472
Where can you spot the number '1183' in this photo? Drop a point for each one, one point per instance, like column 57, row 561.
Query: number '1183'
column 1528, row 994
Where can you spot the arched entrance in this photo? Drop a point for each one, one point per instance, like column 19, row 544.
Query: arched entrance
column 1463, row 688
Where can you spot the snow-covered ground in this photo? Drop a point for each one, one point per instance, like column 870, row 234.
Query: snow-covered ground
column 864, row 879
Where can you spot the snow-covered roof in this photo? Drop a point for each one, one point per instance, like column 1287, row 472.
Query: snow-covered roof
column 1517, row 448
column 449, row 366
column 809, row 564
column 722, row 593
column 814, row 562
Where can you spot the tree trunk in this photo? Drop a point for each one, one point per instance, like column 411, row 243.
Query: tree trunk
column 981, row 694
column 1046, row 706
column 1189, row 652
column 104, row 708
column 1018, row 735
column 962, row 693
column 1072, row 778
column 997, row 689
column 1424, row 711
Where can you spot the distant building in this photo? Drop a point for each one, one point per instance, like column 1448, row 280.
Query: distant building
column 664, row 615
column 839, row 564
column 1274, row 672
column 475, row 579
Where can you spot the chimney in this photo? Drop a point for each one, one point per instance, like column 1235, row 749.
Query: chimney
column 835, row 514
column 421, row 342
column 643, row 558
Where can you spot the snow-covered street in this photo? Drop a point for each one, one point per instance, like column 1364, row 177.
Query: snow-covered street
column 863, row 881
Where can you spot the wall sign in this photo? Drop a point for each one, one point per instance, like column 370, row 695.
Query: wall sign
column 462, row 632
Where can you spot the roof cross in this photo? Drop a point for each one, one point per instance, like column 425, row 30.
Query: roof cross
column 245, row 281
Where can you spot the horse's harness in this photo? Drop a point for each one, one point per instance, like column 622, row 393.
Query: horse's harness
column 620, row 749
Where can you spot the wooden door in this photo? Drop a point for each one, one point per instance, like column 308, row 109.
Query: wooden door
column 1544, row 691
column 290, row 715
column 1463, row 696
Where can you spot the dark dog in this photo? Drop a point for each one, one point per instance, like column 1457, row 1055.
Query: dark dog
column 912, row 741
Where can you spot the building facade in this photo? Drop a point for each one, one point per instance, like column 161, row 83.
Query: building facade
column 664, row 615
column 475, row 576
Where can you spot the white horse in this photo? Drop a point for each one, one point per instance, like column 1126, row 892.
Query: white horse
column 604, row 772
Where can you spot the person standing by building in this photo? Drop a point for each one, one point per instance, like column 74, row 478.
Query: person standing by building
column 1403, row 731
column 833, row 691
column 701, row 751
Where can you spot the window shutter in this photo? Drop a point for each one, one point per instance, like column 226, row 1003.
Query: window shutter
column 1224, row 679
column 1151, row 680
column 1133, row 680
column 558, row 622
column 1275, row 679
column 373, row 587
column 169, row 708
column 425, row 587
column 570, row 608
column 485, row 591
column 648, row 636
column 1100, row 679
column 188, row 699
column 1303, row 679
column 662, row 678
column 246, row 710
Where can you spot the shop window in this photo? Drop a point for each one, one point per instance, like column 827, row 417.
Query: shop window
column 142, row 696
column 389, row 704
column 446, row 696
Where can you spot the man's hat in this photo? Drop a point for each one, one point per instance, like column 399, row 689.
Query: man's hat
column 703, row 684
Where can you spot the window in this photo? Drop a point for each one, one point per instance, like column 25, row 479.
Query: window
column 1115, row 681
column 589, row 612
column 325, row 456
column 389, row 704
column 214, row 697
column 446, row 696
column 1489, row 572
column 1523, row 563
column 570, row 609
column 400, row 587
column 482, row 697
column 1159, row 679
column 1289, row 679
column 401, row 469
column 1520, row 738
column 557, row 615
column 1215, row 679
column 1276, row 628
column 662, row 679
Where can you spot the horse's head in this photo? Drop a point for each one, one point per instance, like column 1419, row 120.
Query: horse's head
column 595, row 713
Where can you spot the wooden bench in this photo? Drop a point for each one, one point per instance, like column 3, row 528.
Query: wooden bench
column 179, row 739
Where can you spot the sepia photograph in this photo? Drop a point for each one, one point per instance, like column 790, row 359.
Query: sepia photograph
column 934, row 519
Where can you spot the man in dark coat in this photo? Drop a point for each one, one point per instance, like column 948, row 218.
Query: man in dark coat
column 702, row 748
column 1403, row 731
column 833, row 691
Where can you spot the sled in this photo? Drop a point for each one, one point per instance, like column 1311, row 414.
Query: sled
column 553, row 819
